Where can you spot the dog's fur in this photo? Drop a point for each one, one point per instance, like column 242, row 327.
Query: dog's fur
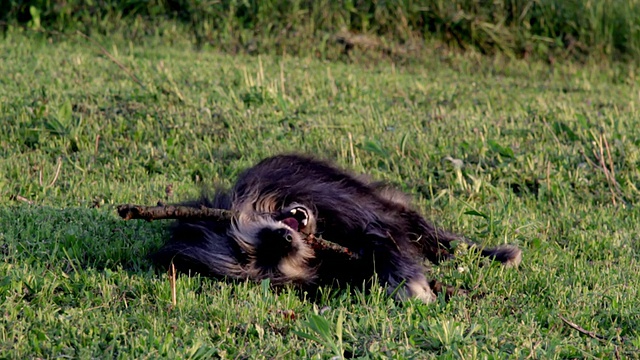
column 266, row 238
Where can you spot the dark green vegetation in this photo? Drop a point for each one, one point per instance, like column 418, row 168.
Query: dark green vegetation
column 504, row 151
column 548, row 29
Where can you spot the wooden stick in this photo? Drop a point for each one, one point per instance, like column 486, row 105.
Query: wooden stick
column 160, row 212
column 320, row 244
column 20, row 198
column 172, row 282
column 576, row 327
column 149, row 213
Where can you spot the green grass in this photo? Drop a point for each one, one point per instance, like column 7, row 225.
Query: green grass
column 78, row 136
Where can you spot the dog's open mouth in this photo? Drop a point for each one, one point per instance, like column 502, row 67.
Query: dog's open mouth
column 296, row 218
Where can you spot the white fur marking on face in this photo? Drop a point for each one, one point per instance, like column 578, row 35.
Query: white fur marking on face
column 245, row 229
column 296, row 266
column 294, row 269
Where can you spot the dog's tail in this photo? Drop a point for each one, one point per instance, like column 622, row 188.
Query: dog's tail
column 437, row 244
column 434, row 243
column 509, row 255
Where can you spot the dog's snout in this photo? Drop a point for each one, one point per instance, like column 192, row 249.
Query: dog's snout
column 285, row 234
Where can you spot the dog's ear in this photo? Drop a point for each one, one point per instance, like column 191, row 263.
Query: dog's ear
column 375, row 230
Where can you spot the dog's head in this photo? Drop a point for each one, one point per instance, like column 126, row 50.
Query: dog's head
column 275, row 242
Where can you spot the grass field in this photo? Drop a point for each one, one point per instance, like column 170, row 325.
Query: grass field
column 503, row 151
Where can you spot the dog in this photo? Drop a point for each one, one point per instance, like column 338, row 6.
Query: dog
column 284, row 200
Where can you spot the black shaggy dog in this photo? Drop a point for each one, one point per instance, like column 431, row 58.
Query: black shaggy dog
column 285, row 199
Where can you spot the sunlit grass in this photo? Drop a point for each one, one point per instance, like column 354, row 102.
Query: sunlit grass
column 504, row 152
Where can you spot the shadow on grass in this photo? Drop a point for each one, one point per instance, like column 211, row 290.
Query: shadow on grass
column 77, row 238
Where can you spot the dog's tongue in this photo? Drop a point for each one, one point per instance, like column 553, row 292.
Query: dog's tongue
column 291, row 222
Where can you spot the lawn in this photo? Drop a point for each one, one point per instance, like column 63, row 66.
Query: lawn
column 504, row 151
